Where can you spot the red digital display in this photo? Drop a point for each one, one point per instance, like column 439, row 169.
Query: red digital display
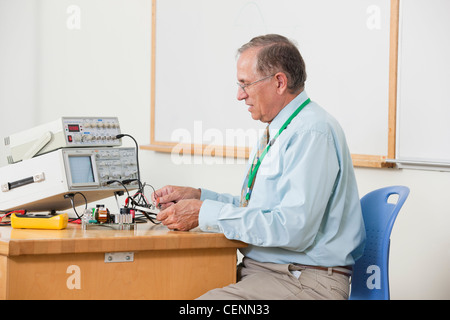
column 73, row 128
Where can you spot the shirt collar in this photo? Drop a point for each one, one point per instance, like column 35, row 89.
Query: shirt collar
column 286, row 112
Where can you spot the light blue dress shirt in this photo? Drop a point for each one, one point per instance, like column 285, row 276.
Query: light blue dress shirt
column 304, row 207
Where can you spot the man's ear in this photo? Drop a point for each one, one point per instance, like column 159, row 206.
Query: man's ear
column 282, row 84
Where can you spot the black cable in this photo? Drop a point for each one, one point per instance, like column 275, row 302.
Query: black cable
column 118, row 181
column 132, row 201
column 119, row 136
column 71, row 197
column 141, row 201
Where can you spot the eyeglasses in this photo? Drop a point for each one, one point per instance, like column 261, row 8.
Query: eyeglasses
column 243, row 86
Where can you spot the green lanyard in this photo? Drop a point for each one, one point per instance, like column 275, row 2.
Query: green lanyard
column 255, row 168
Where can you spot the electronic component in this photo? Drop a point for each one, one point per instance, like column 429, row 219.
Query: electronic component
column 102, row 214
column 66, row 132
column 101, row 217
column 40, row 183
column 24, row 221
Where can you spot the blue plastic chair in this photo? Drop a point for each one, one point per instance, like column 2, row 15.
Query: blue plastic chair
column 370, row 279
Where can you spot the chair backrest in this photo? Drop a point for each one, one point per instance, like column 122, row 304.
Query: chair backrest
column 370, row 279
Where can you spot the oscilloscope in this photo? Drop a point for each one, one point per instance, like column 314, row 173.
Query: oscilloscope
column 40, row 183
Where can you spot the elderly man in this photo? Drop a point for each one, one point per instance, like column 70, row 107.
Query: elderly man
column 299, row 209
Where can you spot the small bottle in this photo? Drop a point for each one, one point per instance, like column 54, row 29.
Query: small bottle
column 87, row 218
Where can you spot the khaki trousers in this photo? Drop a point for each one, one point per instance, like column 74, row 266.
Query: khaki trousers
column 270, row 281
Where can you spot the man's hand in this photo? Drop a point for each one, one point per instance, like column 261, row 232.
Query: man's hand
column 181, row 216
column 169, row 195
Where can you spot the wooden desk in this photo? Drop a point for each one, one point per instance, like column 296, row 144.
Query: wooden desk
column 70, row 263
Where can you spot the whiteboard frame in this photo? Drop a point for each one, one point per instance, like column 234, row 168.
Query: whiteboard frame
column 359, row 160
column 420, row 159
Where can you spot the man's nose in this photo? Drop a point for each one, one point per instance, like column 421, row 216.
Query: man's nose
column 241, row 94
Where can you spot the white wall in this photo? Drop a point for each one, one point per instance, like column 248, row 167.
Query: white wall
column 103, row 69
column 18, row 67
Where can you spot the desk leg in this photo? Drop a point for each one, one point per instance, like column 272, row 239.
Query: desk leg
column 3, row 277
column 159, row 274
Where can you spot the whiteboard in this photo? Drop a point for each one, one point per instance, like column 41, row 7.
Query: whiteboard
column 345, row 45
column 423, row 128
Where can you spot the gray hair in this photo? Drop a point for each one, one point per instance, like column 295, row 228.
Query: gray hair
column 279, row 54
